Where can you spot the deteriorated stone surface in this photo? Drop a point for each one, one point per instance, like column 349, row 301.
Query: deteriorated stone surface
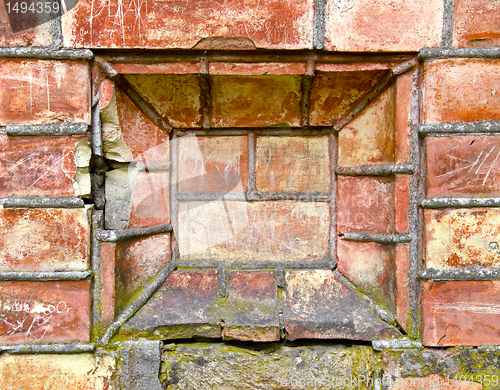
column 57, row 372
column 119, row 189
column 36, row 36
column 319, row 305
column 463, row 166
column 251, row 306
column 137, row 262
column 44, row 239
column 461, row 90
column 185, row 306
column 371, row 267
column 365, row 204
column 461, row 313
column 402, row 284
column 334, row 94
column 476, row 23
column 108, row 251
column 402, row 118
column 206, row 366
column 377, row 25
column 461, row 238
column 292, row 164
column 369, row 138
column 36, row 91
column 278, row 24
column 256, row 101
column 42, row 312
column 253, row 231
column 212, row 164
column 41, row 166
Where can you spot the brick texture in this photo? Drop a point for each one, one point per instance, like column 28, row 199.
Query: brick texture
column 37, row 36
column 476, row 23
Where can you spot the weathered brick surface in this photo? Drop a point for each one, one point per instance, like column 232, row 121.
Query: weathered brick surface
column 35, row 91
column 464, row 166
column 36, row 36
column 33, row 312
column 402, row 118
column 57, row 372
column 402, row 284
column 371, row 267
column 212, row 164
column 476, row 23
column 44, row 239
column 243, row 68
column 380, row 25
column 279, row 24
column 42, row 166
column 256, row 231
column 366, row 204
column 402, row 192
column 292, row 164
column 369, row 138
column 318, row 305
column 108, row 260
column 461, row 90
column 460, row 313
column 461, row 238
column 251, row 307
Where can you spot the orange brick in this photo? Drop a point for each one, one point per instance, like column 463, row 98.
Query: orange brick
column 461, row 90
column 108, row 251
column 36, row 36
column 476, row 23
column 277, row 24
column 380, row 25
column 402, row 118
column 402, row 203
column 402, row 284
column 44, row 239
column 38, row 91
column 34, row 312
column 41, row 166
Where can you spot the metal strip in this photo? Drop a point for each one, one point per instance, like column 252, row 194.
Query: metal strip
column 97, row 223
column 261, row 265
column 37, row 203
column 319, row 25
column 56, row 129
column 258, row 131
column 449, row 11
column 461, row 274
column 482, row 127
column 431, row 53
column 117, row 235
column 457, row 203
column 39, row 53
column 389, row 239
column 47, row 348
column 334, row 152
column 376, row 170
column 307, row 81
column 72, row 276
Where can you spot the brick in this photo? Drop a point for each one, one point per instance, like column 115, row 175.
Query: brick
column 185, row 306
column 256, row 101
column 108, row 251
column 465, row 166
column 42, row 312
column 462, row 237
column 402, row 118
column 461, row 90
column 292, row 164
column 476, row 23
column 36, row 36
column 460, row 313
column 212, row 164
column 402, row 185
column 318, row 305
column 381, row 25
column 44, row 239
column 137, row 262
column 54, row 91
column 170, row 68
column 41, row 166
column 256, row 231
column 371, row 267
column 277, row 24
column 434, row 381
column 369, row 138
column 334, row 94
column 402, row 285
column 59, row 372
column 244, row 68
column 251, row 306
column 175, row 96
column 365, row 204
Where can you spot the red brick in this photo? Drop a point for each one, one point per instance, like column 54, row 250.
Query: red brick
column 464, row 166
column 251, row 307
column 137, row 262
column 37, row 91
column 108, row 251
column 213, row 164
column 462, row 237
column 292, row 164
column 371, row 267
column 476, row 23
column 434, row 381
column 256, row 101
column 170, row 68
column 334, row 94
column 278, row 24
column 255, row 231
column 380, row 25
column 461, row 90
column 36, row 36
column 402, row 118
column 34, row 312
column 44, row 239
column 41, row 166
column 461, row 313
column 318, row 305
column 402, row 203
column 369, row 138
column 402, row 284
column 366, row 204
column 243, row 68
